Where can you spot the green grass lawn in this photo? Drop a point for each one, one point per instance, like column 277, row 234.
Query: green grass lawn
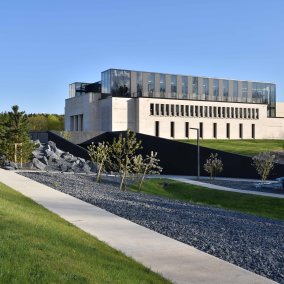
column 244, row 147
column 37, row 246
column 258, row 205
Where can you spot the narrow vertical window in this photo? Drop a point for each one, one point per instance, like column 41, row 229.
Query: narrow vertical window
column 210, row 111
column 172, row 110
column 167, row 110
column 206, row 111
column 151, row 109
column 253, row 131
column 241, row 131
column 257, row 113
column 196, row 111
column 182, row 110
column 157, row 109
column 172, row 129
column 157, row 128
column 187, row 110
column 201, row 129
column 187, row 130
column 215, row 130
column 201, row 111
column 177, row 110
column 173, row 86
column 232, row 112
column 228, row 130
column 162, row 109
column 191, row 111
column 215, row 88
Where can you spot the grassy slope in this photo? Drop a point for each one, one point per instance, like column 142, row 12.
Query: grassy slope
column 39, row 247
column 257, row 205
column 244, row 147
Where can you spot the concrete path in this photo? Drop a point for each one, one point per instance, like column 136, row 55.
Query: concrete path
column 189, row 179
column 176, row 261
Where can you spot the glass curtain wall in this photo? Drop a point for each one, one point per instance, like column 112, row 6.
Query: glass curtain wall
column 215, row 89
column 225, row 90
column 205, row 88
column 235, row 91
column 184, row 87
column 151, row 84
column 162, row 85
column 244, row 91
column 139, row 83
column 120, row 83
column 173, row 86
column 194, row 87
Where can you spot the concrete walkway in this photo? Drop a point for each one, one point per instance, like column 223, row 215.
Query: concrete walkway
column 176, row 261
column 189, row 179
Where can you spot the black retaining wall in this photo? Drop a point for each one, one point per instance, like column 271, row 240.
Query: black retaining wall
column 178, row 158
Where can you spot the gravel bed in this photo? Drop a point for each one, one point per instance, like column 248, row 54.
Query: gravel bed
column 242, row 185
column 251, row 242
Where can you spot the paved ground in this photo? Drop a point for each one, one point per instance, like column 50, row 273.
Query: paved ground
column 228, row 184
column 176, row 261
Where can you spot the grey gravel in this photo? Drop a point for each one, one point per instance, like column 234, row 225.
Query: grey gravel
column 253, row 243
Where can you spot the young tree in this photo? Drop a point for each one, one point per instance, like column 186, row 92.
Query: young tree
column 146, row 166
column 264, row 163
column 123, row 152
column 16, row 131
column 213, row 165
column 99, row 155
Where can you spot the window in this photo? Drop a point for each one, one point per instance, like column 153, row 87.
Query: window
column 187, row 110
column 187, row 130
column 214, row 111
column 241, row 112
column 249, row 113
column 182, row 110
column 219, row 111
column 228, row 130
column 210, row 111
column 172, row 129
column 162, row 109
column 253, row 113
column 225, row 88
column 215, row 130
column 232, row 112
column 237, row 112
column 201, row 111
column 235, row 89
column 194, row 86
column 162, row 85
column 241, row 131
column 244, row 89
column 72, row 123
column 215, row 87
column 172, row 110
column 151, row 84
column 245, row 113
column 157, row 128
column 157, row 109
column 173, row 86
column 139, row 84
column 253, row 131
column 177, row 110
column 205, row 87
column 120, row 83
column 167, row 110
column 228, row 112
column 206, row 111
column 191, row 111
column 201, row 129
column 196, row 111
column 151, row 109
column 257, row 113
column 223, row 112
column 184, row 87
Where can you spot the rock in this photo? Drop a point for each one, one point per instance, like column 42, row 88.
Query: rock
column 59, row 152
column 38, row 164
column 69, row 157
column 63, row 167
column 37, row 154
column 9, row 168
column 44, row 160
column 86, row 169
column 52, row 146
column 14, row 165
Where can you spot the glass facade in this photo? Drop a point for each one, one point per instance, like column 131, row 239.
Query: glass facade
column 139, row 84
column 225, row 88
column 205, row 88
column 162, row 85
column 117, row 82
column 184, row 86
column 194, row 87
column 215, row 88
column 173, row 86
column 151, row 84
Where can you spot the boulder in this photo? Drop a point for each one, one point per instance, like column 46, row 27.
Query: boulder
column 38, row 164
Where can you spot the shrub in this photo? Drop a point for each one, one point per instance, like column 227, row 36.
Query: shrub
column 213, row 165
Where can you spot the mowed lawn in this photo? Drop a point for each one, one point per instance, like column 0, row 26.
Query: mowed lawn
column 37, row 246
column 247, row 203
column 243, row 147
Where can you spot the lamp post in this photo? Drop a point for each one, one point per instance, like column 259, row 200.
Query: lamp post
column 198, row 151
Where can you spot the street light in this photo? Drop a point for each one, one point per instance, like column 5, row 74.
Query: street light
column 198, row 152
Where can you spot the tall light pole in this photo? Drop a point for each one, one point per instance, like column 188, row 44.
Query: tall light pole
column 198, row 151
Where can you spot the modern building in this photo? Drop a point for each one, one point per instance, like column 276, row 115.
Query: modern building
column 168, row 105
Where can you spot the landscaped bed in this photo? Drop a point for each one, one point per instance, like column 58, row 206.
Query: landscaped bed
column 251, row 242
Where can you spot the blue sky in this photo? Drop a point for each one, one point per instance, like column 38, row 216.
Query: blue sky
column 45, row 45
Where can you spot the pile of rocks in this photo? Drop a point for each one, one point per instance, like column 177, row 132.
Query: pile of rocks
column 47, row 157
